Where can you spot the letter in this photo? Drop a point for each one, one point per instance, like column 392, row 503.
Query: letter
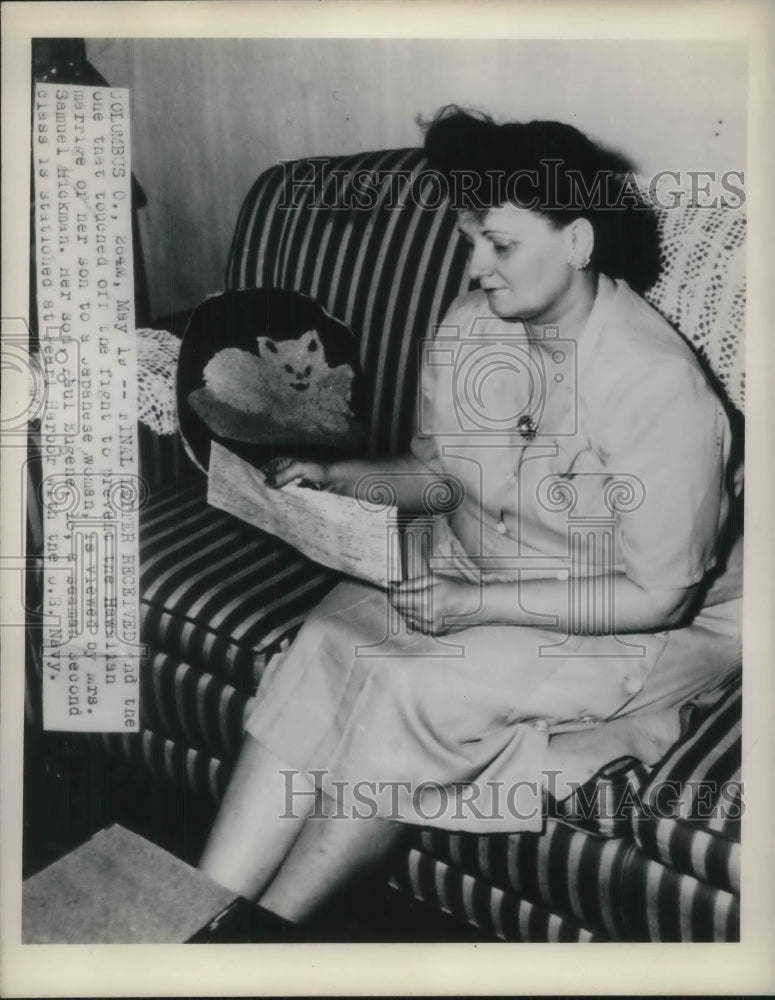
column 290, row 793
column 551, row 167
column 697, row 190
column 629, row 195
column 678, row 194
column 417, row 796
column 370, row 802
column 362, row 186
column 629, row 804
column 511, row 800
column 512, row 194
column 474, row 793
column 392, row 201
column 421, row 188
column 339, row 787
column 701, row 798
column 466, row 196
column 395, row 787
column 294, row 186
column 732, row 794
column 585, row 197
column 664, row 810
column 737, row 191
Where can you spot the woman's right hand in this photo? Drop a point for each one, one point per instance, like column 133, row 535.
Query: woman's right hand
column 282, row 471
column 352, row 477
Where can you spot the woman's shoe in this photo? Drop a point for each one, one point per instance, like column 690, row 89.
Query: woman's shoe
column 243, row 922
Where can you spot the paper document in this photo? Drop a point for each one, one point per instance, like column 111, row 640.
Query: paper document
column 339, row 532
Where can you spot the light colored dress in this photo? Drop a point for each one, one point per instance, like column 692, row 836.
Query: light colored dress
column 571, row 462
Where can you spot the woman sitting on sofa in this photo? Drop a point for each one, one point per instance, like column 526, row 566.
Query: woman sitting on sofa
column 582, row 589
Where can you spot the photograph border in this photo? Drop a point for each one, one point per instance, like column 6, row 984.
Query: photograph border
column 75, row 970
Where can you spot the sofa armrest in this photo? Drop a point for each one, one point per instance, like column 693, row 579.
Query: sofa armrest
column 690, row 812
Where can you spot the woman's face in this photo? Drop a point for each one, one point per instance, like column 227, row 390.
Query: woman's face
column 520, row 261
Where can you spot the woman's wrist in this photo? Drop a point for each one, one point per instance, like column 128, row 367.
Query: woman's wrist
column 406, row 476
column 342, row 476
column 500, row 604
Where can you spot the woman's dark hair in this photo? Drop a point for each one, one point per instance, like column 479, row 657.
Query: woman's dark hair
column 552, row 169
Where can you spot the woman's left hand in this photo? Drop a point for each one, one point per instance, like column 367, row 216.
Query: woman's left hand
column 426, row 601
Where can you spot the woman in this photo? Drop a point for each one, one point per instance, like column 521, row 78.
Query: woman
column 578, row 594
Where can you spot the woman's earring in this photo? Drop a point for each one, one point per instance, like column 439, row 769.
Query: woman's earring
column 580, row 263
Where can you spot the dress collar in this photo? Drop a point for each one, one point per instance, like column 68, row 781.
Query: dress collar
column 607, row 292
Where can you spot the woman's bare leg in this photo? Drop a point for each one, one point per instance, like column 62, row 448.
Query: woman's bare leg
column 256, row 825
column 329, row 855
column 266, row 844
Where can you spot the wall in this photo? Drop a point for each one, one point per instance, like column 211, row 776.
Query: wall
column 209, row 115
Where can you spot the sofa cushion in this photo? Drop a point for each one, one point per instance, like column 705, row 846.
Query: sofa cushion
column 608, row 887
column 659, row 904
column 267, row 371
column 218, row 593
column 193, row 770
column 498, row 913
column 692, row 806
column 562, row 870
column 193, row 708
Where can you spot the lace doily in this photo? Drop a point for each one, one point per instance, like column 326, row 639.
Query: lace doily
column 701, row 289
column 157, row 362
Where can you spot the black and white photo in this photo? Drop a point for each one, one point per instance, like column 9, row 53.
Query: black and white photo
column 384, row 409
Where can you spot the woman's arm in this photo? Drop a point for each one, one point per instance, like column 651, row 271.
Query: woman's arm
column 631, row 608
column 430, row 600
column 406, row 475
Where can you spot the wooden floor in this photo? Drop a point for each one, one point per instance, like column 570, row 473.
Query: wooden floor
column 70, row 794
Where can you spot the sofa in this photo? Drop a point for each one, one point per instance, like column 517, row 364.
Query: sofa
column 640, row 853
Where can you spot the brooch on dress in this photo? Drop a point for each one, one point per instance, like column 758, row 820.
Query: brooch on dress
column 528, row 428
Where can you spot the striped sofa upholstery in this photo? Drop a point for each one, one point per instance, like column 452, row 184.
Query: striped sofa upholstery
column 693, row 806
column 220, row 597
column 388, row 272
